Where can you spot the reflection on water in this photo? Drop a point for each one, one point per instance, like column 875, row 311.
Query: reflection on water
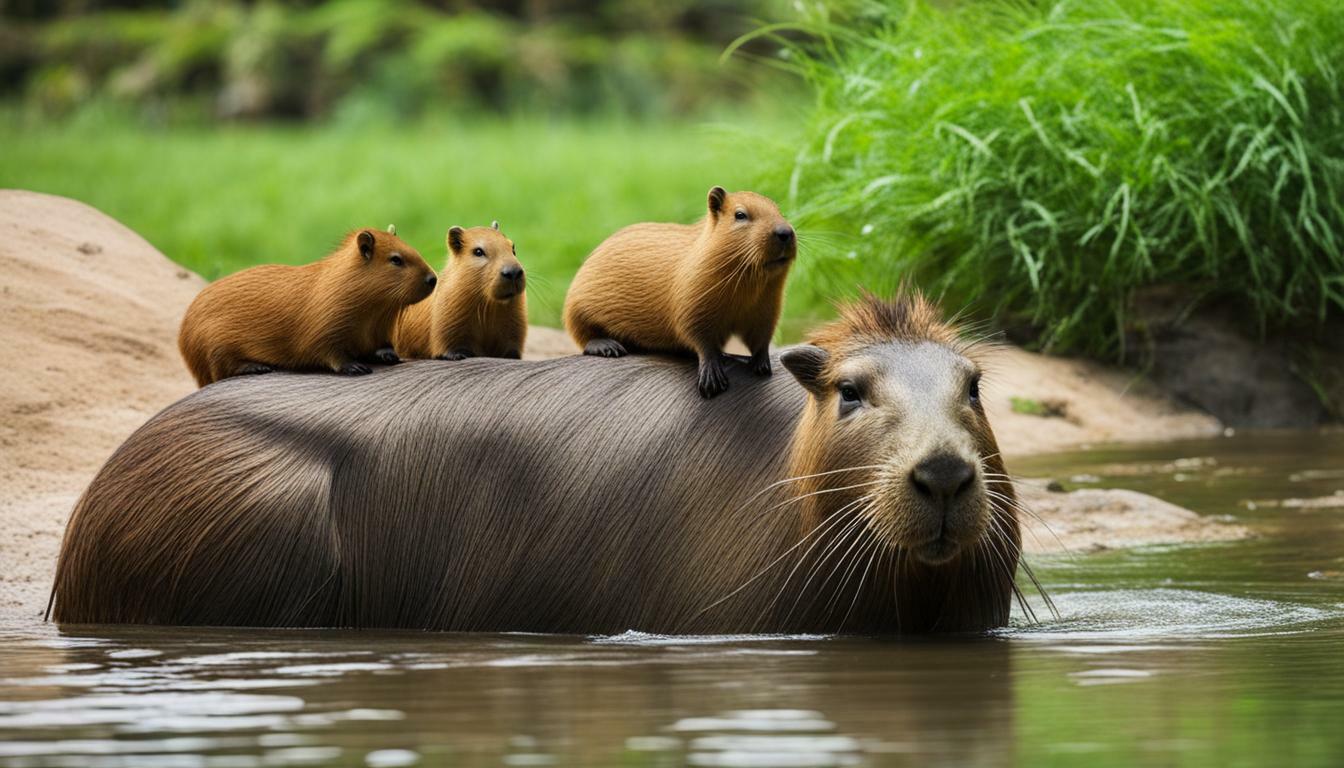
column 1212, row 655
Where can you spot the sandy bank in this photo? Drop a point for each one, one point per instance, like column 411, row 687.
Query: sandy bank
column 89, row 315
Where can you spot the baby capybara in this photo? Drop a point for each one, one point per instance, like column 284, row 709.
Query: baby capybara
column 478, row 310
column 335, row 314
column 688, row 288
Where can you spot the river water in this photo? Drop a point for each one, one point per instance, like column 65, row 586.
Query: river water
column 1226, row 654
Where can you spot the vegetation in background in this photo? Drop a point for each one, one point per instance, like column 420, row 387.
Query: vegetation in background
column 393, row 58
column 1042, row 161
column 218, row 200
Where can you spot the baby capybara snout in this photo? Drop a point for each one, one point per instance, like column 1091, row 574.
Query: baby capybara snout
column 761, row 218
column 511, row 281
column 413, row 274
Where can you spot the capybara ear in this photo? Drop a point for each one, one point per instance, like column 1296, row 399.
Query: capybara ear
column 455, row 239
column 716, row 197
column 365, row 240
column 495, row 225
column 391, row 229
column 806, row 363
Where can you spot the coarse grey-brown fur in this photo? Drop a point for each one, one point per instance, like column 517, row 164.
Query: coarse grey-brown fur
column 577, row 495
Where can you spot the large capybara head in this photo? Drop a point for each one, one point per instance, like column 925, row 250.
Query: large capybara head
column 484, row 258
column 894, row 416
column 393, row 269
column 748, row 228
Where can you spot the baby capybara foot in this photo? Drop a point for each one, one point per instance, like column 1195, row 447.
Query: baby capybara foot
column 354, row 368
column 604, row 348
column 251, row 369
column 456, row 354
column 387, row 356
column 760, row 363
column 713, row 380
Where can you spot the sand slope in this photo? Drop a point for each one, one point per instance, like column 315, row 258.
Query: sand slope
column 89, row 314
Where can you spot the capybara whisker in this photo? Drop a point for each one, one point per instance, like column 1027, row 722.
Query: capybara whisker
column 778, row 483
column 854, row 528
column 847, row 513
column 873, row 552
column 819, row 529
column 796, row 499
column 863, row 539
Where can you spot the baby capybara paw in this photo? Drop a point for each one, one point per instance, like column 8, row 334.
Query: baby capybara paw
column 604, row 348
column 252, row 369
column 712, row 381
column 387, row 356
column 354, row 368
column 456, row 354
column 761, row 365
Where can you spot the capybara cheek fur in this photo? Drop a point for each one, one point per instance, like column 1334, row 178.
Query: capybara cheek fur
column 335, row 314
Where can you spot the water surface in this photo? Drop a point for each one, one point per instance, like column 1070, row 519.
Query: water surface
column 1225, row 654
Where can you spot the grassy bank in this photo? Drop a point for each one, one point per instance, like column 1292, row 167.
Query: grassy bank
column 1043, row 161
column 220, row 199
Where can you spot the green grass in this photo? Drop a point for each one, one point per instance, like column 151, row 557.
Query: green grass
column 218, row 200
column 1043, row 161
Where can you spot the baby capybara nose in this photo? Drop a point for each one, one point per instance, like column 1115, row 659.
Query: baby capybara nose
column 512, row 273
column 785, row 233
column 431, row 280
column 942, row 477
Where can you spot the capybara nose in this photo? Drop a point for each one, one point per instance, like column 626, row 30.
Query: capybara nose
column 942, row 477
column 511, row 273
column 431, row 280
column 784, row 233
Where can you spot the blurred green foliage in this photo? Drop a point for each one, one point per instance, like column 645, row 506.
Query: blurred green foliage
column 220, row 199
column 393, row 58
column 1043, row 161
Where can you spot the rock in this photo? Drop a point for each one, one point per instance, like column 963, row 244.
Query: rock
column 1093, row 519
column 1209, row 358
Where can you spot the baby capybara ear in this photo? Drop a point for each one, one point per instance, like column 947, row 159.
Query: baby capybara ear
column 806, row 363
column 365, row 240
column 455, row 239
column 494, row 225
column 717, row 196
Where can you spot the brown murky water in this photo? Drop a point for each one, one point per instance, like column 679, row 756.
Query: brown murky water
column 1224, row 654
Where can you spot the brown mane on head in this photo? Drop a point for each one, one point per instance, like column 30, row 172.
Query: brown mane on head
column 907, row 316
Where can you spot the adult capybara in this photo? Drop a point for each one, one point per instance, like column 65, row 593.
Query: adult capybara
column 478, row 310
column 334, row 314
column 688, row 288
column 570, row 495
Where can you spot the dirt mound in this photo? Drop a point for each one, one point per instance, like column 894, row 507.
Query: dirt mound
column 89, row 319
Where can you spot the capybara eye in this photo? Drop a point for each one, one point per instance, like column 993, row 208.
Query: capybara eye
column 396, row 259
column 975, row 388
column 849, row 393
column 478, row 251
column 850, row 398
column 740, row 215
